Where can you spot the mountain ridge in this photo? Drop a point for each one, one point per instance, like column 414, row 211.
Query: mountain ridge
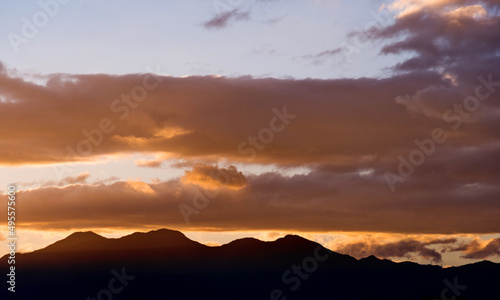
column 81, row 237
column 166, row 260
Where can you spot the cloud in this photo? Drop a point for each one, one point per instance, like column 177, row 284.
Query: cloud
column 432, row 102
column 228, row 13
column 154, row 163
column 79, row 179
column 408, row 7
column 399, row 249
column 328, row 200
column 478, row 249
column 140, row 187
column 225, row 18
column 205, row 117
column 321, row 57
column 110, row 179
column 272, row 235
column 449, row 34
column 213, row 177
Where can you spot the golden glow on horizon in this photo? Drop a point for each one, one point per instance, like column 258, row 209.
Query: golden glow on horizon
column 31, row 239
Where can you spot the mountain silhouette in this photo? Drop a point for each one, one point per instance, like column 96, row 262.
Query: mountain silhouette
column 165, row 264
column 77, row 241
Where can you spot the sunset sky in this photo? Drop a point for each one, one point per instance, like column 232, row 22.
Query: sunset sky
column 371, row 127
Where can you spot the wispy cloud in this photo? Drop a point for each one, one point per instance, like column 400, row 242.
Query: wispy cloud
column 224, row 19
column 321, row 57
column 154, row 163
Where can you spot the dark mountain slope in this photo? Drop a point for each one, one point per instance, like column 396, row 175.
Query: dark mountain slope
column 165, row 264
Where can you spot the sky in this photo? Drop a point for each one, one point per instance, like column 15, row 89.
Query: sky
column 370, row 127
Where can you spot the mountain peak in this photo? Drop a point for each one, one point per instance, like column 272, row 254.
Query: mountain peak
column 247, row 242
column 162, row 234
column 84, row 235
column 294, row 237
column 74, row 241
column 161, row 238
column 164, row 231
column 292, row 240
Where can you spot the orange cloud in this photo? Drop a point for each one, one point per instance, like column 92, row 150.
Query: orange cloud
column 80, row 179
column 213, row 177
column 140, row 187
column 202, row 118
column 479, row 249
column 155, row 163
column 325, row 200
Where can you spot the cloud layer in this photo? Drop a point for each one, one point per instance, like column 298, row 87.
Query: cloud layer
column 319, row 201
